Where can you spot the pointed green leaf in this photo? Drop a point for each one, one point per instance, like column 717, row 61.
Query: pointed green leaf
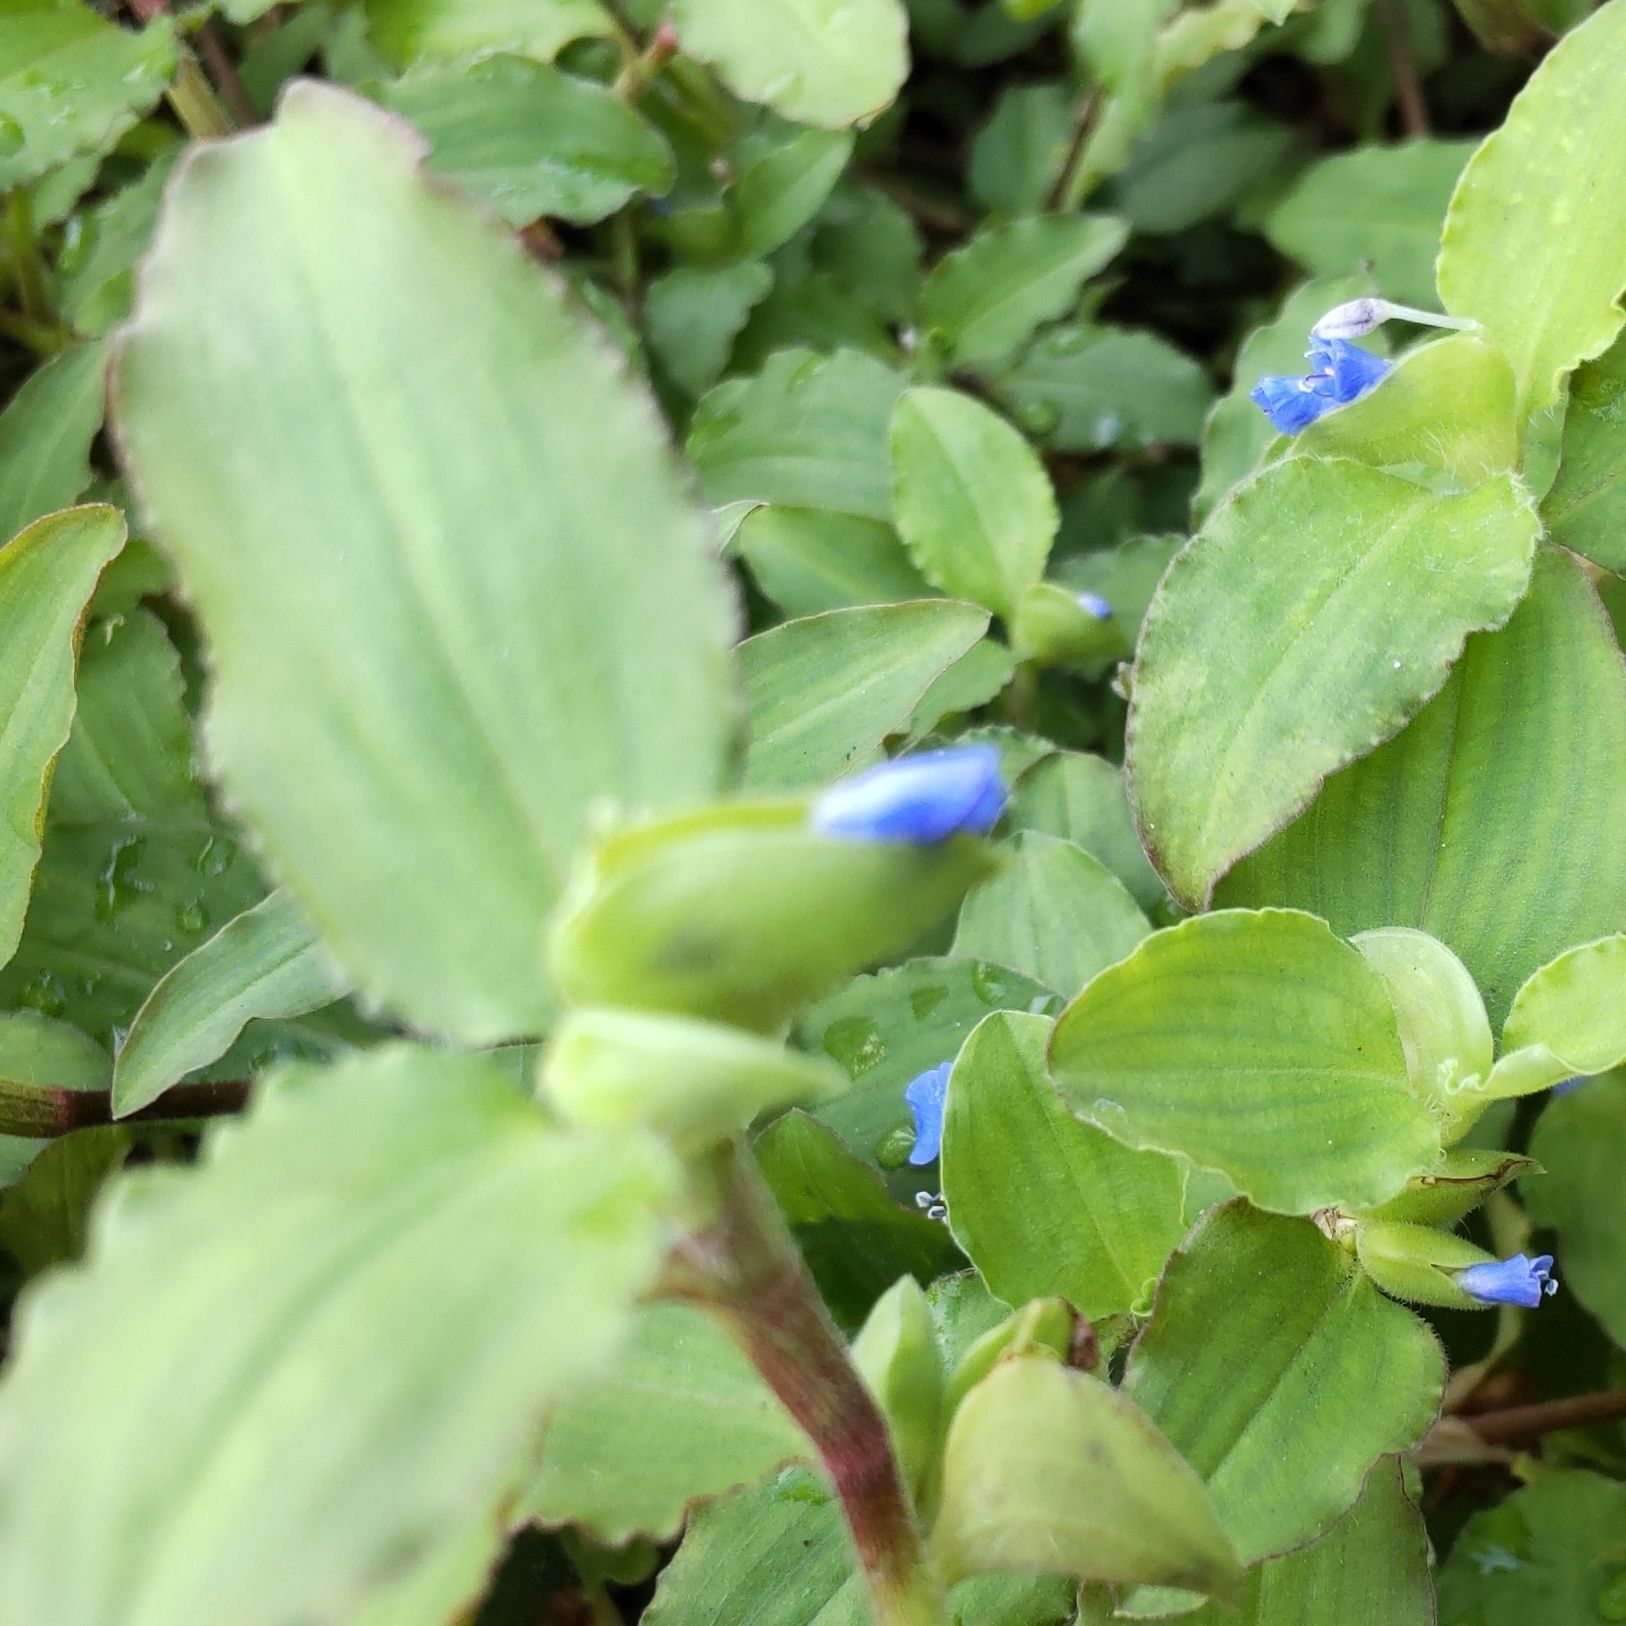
column 973, row 501
column 1585, row 510
column 1348, row 593
column 47, row 574
column 433, row 504
column 1448, row 405
column 264, row 963
column 1042, row 1204
column 885, row 1029
column 1580, row 1140
column 71, row 82
column 1053, row 913
column 677, row 1417
column 1378, row 206
column 1052, row 1470
column 808, row 560
column 1568, row 1018
column 532, row 141
column 895, row 1352
column 1434, row 830
column 1081, row 798
column 694, row 313
column 808, row 431
column 828, row 62
column 783, row 183
column 45, row 436
column 824, row 692
column 856, row 1238
column 410, row 30
column 1525, row 250
column 1255, row 1044
column 1281, row 1373
column 984, row 300
column 299, row 1449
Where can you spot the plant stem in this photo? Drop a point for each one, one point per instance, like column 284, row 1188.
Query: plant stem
column 1403, row 68
column 217, row 59
column 747, row 1270
column 1074, row 182
column 45, row 1111
column 25, row 256
column 1547, row 1416
column 190, row 95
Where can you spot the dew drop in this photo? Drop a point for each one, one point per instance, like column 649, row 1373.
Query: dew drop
column 216, row 855
column 116, row 886
column 44, row 992
column 893, row 1148
column 1038, row 417
column 11, row 136
column 856, row 1044
column 923, row 1001
column 192, row 917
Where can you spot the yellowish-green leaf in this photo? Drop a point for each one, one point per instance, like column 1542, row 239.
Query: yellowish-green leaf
column 1569, row 1018
column 1526, row 249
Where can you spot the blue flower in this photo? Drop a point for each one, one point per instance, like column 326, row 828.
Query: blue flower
column 1340, row 372
column 1094, row 604
column 926, row 1096
column 919, row 799
column 1518, row 1280
column 1564, row 1086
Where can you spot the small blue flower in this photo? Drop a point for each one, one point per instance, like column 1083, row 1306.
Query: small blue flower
column 1340, row 372
column 1566, row 1085
column 919, row 799
column 1519, row 1280
column 926, row 1096
column 1094, row 604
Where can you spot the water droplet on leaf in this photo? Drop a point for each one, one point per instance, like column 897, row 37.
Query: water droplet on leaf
column 856, row 1044
column 11, row 136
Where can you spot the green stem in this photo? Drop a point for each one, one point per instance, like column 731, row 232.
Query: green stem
column 40, row 337
column 32, row 293
column 45, row 1111
column 195, row 102
column 746, row 1269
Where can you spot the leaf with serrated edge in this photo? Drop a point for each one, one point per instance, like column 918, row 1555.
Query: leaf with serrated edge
column 1255, row 1044
column 296, row 1450
column 1281, row 1373
column 1348, row 593
column 393, row 565
column 1526, row 249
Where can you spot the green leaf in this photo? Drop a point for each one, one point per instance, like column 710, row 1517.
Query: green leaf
column 808, row 560
column 264, row 963
column 1236, row 432
column 896, row 1353
column 1081, row 799
column 888, row 1028
column 1082, row 388
column 1448, row 405
column 1524, row 250
column 1580, row 1140
column 1434, row 830
column 677, row 1417
column 1457, row 1185
column 1054, row 913
column 1348, row 593
column 1018, row 154
column 780, row 1556
column 71, row 82
column 972, row 499
column 35, row 1049
column 1281, row 1374
column 45, row 436
column 1042, row 1204
column 824, row 692
column 410, row 30
column 532, row 141
column 328, row 1428
column 448, row 1580
column 808, row 431
column 984, row 300
column 1255, row 1044
column 693, row 314
column 1052, row 1470
column 1380, row 207
column 1372, row 1565
column 47, row 574
column 857, row 1241
column 44, row 1218
column 827, row 62
column 744, row 913
column 1550, row 1552
column 321, row 705
column 692, row 1083
column 1585, row 511
column 95, row 269
column 783, row 184
column 1568, row 1018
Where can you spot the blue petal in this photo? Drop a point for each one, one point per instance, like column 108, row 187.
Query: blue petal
column 926, row 1096
column 1353, row 371
column 1519, row 1280
column 1291, row 404
column 1094, row 604
column 1573, row 1083
column 918, row 799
